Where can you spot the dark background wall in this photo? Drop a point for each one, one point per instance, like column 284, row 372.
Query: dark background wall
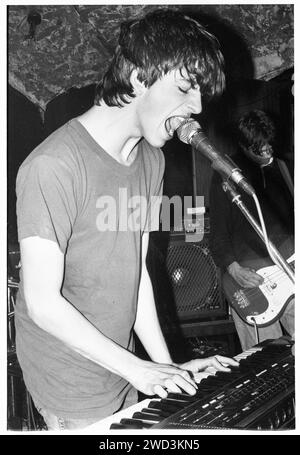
column 72, row 45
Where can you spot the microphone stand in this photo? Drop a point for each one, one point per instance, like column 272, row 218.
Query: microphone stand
column 236, row 198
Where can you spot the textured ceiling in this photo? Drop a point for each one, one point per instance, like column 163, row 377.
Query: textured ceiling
column 72, row 45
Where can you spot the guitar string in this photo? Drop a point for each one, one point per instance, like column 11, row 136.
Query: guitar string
column 252, row 291
column 278, row 274
column 278, row 269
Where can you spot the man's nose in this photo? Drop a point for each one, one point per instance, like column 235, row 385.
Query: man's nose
column 195, row 103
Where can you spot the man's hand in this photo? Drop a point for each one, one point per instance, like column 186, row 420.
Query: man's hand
column 218, row 362
column 245, row 276
column 157, row 378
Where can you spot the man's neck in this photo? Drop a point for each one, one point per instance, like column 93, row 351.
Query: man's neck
column 113, row 128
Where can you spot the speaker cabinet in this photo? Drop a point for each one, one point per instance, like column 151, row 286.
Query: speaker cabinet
column 185, row 279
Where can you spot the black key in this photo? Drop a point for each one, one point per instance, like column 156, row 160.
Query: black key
column 135, row 423
column 182, row 397
column 157, row 412
column 167, row 406
column 227, row 376
column 117, row 426
column 211, row 382
column 147, row 417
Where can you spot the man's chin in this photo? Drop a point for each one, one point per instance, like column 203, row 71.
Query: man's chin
column 158, row 143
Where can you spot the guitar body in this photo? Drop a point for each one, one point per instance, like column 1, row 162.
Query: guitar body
column 263, row 304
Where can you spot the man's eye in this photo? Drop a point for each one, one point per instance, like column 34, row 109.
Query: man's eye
column 183, row 91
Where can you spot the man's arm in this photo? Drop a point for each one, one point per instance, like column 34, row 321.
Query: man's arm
column 147, row 325
column 148, row 329
column 43, row 270
column 221, row 223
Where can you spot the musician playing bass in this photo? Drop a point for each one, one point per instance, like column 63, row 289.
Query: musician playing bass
column 236, row 247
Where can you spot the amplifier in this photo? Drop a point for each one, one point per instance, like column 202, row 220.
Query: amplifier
column 185, row 279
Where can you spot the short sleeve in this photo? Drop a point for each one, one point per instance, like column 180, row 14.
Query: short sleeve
column 46, row 204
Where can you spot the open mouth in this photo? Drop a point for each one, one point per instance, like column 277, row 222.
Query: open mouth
column 172, row 123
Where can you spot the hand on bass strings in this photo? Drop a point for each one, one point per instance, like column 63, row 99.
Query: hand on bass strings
column 245, row 276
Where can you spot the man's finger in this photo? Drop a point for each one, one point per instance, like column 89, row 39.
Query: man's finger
column 227, row 360
column 160, row 391
column 171, row 386
column 185, row 385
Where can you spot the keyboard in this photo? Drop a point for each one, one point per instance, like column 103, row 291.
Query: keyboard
column 259, row 394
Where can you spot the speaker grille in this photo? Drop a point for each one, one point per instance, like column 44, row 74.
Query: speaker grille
column 186, row 281
column 194, row 278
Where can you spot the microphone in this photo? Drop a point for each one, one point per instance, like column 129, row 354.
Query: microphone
column 189, row 131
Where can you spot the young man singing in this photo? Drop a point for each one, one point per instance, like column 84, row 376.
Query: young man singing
column 84, row 289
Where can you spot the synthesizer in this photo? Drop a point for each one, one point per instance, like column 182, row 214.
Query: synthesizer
column 259, row 394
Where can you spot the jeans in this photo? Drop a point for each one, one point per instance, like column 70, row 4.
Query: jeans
column 55, row 422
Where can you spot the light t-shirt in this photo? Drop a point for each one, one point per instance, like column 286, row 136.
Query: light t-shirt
column 71, row 191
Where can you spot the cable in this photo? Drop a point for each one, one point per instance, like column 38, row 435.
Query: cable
column 256, row 330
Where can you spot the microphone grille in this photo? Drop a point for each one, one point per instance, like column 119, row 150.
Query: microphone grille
column 187, row 129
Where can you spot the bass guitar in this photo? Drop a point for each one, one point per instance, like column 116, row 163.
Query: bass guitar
column 264, row 304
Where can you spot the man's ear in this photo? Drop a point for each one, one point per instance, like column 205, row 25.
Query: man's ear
column 138, row 86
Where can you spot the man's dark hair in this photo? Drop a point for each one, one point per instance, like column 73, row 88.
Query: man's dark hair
column 162, row 41
column 255, row 129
